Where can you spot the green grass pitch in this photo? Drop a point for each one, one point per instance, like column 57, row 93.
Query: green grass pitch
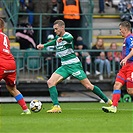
column 75, row 117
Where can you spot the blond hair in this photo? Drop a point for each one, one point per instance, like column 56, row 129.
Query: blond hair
column 126, row 24
column 59, row 22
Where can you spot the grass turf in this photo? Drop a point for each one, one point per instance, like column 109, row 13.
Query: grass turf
column 76, row 117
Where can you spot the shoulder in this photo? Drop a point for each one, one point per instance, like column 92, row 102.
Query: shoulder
column 56, row 37
column 2, row 34
column 129, row 38
column 67, row 34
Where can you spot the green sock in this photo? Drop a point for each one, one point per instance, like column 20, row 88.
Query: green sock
column 54, row 95
column 99, row 93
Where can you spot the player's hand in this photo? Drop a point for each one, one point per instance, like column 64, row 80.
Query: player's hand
column 59, row 39
column 123, row 62
column 40, row 46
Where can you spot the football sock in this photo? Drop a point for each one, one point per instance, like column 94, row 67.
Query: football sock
column 19, row 98
column 54, row 95
column 99, row 93
column 116, row 97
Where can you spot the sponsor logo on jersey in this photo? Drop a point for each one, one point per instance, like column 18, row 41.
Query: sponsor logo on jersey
column 76, row 73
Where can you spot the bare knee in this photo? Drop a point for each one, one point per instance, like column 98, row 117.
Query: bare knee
column 117, row 86
column 89, row 87
column 130, row 91
column 87, row 84
column 50, row 83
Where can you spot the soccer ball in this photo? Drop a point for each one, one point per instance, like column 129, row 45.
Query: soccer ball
column 35, row 105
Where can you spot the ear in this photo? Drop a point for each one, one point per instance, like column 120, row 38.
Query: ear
column 63, row 26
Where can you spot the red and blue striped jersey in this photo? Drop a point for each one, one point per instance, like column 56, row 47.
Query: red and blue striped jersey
column 127, row 46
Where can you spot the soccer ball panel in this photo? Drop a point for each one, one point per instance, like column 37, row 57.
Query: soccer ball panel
column 35, row 105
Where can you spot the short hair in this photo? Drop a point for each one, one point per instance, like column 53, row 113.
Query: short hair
column 2, row 23
column 59, row 22
column 126, row 24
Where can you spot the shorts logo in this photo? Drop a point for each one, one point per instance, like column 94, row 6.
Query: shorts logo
column 76, row 73
column 10, row 71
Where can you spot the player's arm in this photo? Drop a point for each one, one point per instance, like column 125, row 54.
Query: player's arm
column 130, row 54
column 123, row 62
column 51, row 43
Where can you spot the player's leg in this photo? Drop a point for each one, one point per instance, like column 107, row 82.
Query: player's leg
column 19, row 98
column 120, row 81
column 116, row 93
column 77, row 72
column 129, row 82
column 130, row 91
column 115, row 98
column 10, row 78
column 56, row 77
column 124, row 75
column 96, row 90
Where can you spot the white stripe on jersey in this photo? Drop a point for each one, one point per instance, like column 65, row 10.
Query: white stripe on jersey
column 65, row 52
column 71, row 61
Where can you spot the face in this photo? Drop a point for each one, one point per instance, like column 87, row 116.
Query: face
column 80, row 47
column 122, row 31
column 59, row 30
column 114, row 46
column 100, row 42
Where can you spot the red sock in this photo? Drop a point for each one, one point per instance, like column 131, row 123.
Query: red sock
column 22, row 103
column 116, row 98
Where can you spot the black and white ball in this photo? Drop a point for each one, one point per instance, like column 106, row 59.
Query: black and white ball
column 35, row 105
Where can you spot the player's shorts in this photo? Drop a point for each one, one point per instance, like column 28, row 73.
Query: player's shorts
column 125, row 75
column 8, row 72
column 76, row 70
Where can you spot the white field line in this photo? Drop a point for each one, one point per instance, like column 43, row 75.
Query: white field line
column 95, row 109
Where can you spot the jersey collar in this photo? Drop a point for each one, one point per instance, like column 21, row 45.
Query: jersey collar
column 129, row 35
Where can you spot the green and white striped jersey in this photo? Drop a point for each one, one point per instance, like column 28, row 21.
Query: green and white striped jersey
column 65, row 49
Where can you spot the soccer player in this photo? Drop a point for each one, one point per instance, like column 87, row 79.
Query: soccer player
column 70, row 65
column 125, row 74
column 8, row 69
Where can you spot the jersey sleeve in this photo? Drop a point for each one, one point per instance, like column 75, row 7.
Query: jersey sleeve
column 130, row 42
column 68, row 37
column 52, row 43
